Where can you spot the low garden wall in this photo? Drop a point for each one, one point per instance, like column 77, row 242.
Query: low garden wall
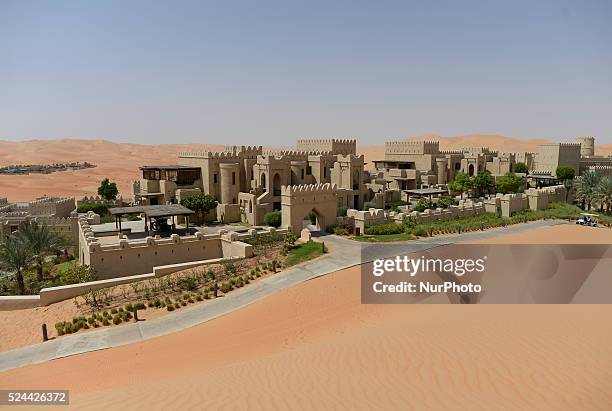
column 56, row 294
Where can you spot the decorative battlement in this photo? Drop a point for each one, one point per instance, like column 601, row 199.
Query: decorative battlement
column 322, row 188
column 412, row 147
column 331, row 145
column 52, row 200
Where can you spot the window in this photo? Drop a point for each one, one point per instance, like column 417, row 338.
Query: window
column 324, row 172
column 215, row 178
column 309, row 170
column 233, row 178
column 302, row 174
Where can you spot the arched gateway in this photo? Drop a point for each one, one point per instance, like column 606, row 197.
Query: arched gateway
column 298, row 201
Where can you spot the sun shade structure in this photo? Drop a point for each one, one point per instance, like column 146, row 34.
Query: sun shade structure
column 152, row 212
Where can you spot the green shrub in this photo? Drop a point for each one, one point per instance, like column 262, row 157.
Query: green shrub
column 382, row 229
column 342, row 211
column 59, row 327
column 420, row 231
column 129, row 307
column 341, row 231
column 367, row 205
column 117, row 319
column 199, row 297
column 113, row 311
column 100, row 209
column 105, row 321
column 187, row 283
column 141, row 306
column 170, row 307
column 423, row 204
column 68, row 328
column 273, row 218
column 91, row 320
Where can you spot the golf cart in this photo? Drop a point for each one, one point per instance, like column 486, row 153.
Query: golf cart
column 587, row 219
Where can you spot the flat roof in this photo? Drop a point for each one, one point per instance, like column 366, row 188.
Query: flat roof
column 426, row 191
column 541, row 176
column 153, row 210
column 169, row 168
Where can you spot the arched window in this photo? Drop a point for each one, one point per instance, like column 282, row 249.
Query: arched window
column 263, row 180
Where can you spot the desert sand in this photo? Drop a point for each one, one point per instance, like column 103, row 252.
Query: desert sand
column 316, row 346
column 120, row 161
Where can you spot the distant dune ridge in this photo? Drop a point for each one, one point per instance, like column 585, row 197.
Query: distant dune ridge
column 120, row 161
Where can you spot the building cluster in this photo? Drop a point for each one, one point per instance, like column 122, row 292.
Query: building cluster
column 247, row 181
column 56, row 212
column 419, row 164
column 44, row 168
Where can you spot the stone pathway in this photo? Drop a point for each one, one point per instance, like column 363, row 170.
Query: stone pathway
column 343, row 253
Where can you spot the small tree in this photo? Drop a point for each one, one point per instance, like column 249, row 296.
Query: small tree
column 40, row 241
column 108, row 190
column 461, row 183
column 77, row 274
column 566, row 176
column 521, row 168
column 15, row 256
column 342, row 211
column 510, row 183
column 200, row 203
column 483, row 182
column 273, row 218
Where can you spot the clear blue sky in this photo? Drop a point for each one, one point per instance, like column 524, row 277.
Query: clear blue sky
column 270, row 72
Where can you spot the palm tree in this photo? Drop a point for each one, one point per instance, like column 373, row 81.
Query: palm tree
column 41, row 242
column 586, row 186
column 603, row 193
column 15, row 256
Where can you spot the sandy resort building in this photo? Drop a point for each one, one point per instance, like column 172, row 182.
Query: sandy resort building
column 411, row 165
column 247, row 181
column 56, row 212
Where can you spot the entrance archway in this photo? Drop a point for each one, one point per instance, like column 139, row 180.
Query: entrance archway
column 276, row 185
column 471, row 170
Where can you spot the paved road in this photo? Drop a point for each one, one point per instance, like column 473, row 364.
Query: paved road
column 343, row 254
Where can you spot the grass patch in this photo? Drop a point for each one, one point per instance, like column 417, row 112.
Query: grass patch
column 303, row 252
column 384, row 238
column 65, row 266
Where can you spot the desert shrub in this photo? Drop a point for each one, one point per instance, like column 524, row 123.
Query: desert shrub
column 382, row 229
column 91, row 320
column 150, row 304
column 187, row 283
column 129, row 307
column 141, row 306
column 113, row 311
column 105, row 321
column 420, row 231
column 210, row 274
column 68, row 329
column 120, row 309
column 116, row 319
column 226, row 287
column 170, row 307
column 273, row 218
column 59, row 327
column 341, row 231
column 199, row 297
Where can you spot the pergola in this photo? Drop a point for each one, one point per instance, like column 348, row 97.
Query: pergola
column 421, row 192
column 542, row 180
column 152, row 211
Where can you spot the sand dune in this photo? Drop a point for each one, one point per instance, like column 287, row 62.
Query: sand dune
column 315, row 346
column 120, row 161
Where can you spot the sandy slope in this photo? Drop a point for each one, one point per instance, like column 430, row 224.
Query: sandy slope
column 120, row 162
column 316, row 346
